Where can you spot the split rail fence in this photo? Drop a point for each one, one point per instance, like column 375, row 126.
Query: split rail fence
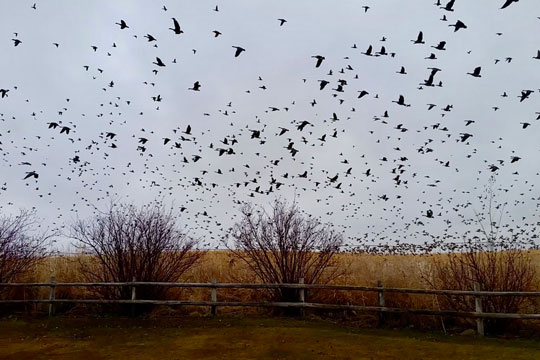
column 478, row 314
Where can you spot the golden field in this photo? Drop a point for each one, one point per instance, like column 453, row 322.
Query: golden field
column 405, row 271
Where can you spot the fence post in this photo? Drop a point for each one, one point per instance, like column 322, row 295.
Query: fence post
column 133, row 297
column 213, row 297
column 52, row 296
column 302, row 296
column 380, row 298
column 478, row 309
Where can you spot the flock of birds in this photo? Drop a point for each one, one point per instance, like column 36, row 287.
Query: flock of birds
column 285, row 150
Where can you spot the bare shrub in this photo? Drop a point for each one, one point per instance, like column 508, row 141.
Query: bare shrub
column 21, row 246
column 128, row 243
column 283, row 246
column 497, row 262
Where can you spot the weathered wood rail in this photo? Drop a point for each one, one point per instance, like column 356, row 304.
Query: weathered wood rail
column 478, row 314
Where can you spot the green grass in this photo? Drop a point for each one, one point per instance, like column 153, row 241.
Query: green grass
column 237, row 338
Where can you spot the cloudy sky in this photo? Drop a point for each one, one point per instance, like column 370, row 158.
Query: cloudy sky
column 75, row 67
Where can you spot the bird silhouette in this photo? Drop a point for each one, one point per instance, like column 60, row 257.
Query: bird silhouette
column 122, row 24
column 150, row 37
column 402, row 71
column 440, row 46
column 458, row 25
column 449, row 6
column 401, row 101
column 476, row 72
column 320, row 59
column 196, row 86
column 507, row 3
column 30, row 174
column 368, row 51
column 238, row 51
column 525, row 95
column 419, row 39
column 176, row 27
column 303, row 125
column 158, row 62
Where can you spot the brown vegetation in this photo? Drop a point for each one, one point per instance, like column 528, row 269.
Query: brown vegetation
column 20, row 250
column 283, row 246
column 407, row 271
column 133, row 244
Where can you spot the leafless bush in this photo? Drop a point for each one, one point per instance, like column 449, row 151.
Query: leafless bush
column 21, row 246
column 495, row 261
column 128, row 243
column 283, row 246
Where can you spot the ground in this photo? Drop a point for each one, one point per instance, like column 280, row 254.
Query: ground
column 238, row 338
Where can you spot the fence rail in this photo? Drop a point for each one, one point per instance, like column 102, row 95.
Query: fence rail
column 478, row 314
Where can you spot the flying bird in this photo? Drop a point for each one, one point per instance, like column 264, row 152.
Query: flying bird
column 440, row 46
column 476, row 72
column 196, row 86
column 419, row 39
column 508, row 3
column 238, row 51
column 401, row 101
column 362, row 93
column 449, row 6
column 303, row 125
column 150, row 37
column 320, row 59
column 525, row 95
column 323, row 83
column 514, row 159
column 368, row 51
column 158, row 62
column 176, row 27
column 282, row 21
column 33, row 174
column 122, row 24
column 458, row 25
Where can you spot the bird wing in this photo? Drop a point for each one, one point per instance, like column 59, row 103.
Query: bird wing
column 176, row 24
column 507, row 3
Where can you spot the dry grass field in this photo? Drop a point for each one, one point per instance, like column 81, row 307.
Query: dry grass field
column 359, row 269
column 246, row 333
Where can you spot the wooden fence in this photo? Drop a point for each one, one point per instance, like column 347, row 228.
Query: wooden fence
column 478, row 314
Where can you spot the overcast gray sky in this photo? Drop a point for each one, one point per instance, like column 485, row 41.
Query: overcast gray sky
column 437, row 171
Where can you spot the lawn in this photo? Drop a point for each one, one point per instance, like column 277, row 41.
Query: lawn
column 237, row 338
